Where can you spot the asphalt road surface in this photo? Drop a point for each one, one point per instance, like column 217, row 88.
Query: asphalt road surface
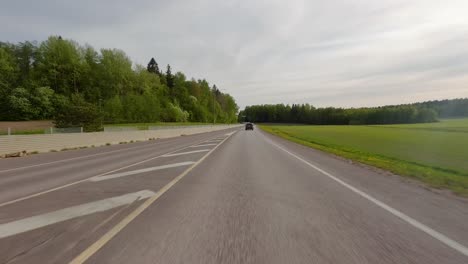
column 230, row 196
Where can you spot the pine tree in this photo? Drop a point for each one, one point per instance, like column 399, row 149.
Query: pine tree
column 153, row 67
column 169, row 77
column 216, row 91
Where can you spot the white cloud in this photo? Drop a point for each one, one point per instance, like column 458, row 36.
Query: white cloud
column 341, row 53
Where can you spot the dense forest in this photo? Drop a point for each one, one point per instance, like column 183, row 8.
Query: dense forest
column 447, row 108
column 77, row 85
column 397, row 114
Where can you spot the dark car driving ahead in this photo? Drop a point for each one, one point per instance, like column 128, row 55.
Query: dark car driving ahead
column 249, row 126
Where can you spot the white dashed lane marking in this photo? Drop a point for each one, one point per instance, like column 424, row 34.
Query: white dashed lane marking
column 212, row 141
column 204, row 145
column 186, row 153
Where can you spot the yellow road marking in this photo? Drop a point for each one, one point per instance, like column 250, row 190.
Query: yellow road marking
column 96, row 246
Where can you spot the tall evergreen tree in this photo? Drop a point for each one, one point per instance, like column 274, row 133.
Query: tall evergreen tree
column 153, row 67
column 169, row 77
column 216, row 91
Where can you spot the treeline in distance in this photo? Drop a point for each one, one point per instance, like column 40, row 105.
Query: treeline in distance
column 76, row 85
column 398, row 114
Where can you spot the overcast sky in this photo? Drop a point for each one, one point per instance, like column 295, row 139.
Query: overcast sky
column 327, row 53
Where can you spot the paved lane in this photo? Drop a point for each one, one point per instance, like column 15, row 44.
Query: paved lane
column 33, row 174
column 245, row 197
column 61, row 222
column 250, row 202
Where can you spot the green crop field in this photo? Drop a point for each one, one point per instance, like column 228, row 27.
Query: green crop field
column 436, row 153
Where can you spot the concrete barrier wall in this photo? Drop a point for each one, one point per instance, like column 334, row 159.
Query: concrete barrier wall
column 45, row 143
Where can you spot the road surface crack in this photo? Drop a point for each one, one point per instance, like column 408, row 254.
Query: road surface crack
column 26, row 251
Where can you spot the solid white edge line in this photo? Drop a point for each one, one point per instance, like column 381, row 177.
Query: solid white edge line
column 50, row 218
column 134, row 172
column 437, row 235
column 83, row 180
column 96, row 246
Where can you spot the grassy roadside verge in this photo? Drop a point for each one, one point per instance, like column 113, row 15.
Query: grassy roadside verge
column 138, row 126
column 145, row 126
column 24, row 132
column 433, row 176
column 160, row 124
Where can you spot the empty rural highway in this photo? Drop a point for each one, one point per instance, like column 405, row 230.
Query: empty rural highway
column 230, row 196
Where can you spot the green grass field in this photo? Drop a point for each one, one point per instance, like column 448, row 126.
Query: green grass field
column 436, row 153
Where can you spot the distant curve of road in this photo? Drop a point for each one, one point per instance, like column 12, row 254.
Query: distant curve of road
column 229, row 196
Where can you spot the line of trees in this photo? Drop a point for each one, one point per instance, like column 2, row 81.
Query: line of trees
column 78, row 86
column 447, row 108
column 398, row 114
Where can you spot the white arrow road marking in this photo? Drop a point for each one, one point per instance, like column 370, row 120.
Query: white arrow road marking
column 212, row 141
column 128, row 173
column 38, row 221
column 204, row 145
column 91, row 250
column 186, row 153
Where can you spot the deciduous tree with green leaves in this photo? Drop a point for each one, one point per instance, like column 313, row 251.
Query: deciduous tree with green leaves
column 78, row 85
